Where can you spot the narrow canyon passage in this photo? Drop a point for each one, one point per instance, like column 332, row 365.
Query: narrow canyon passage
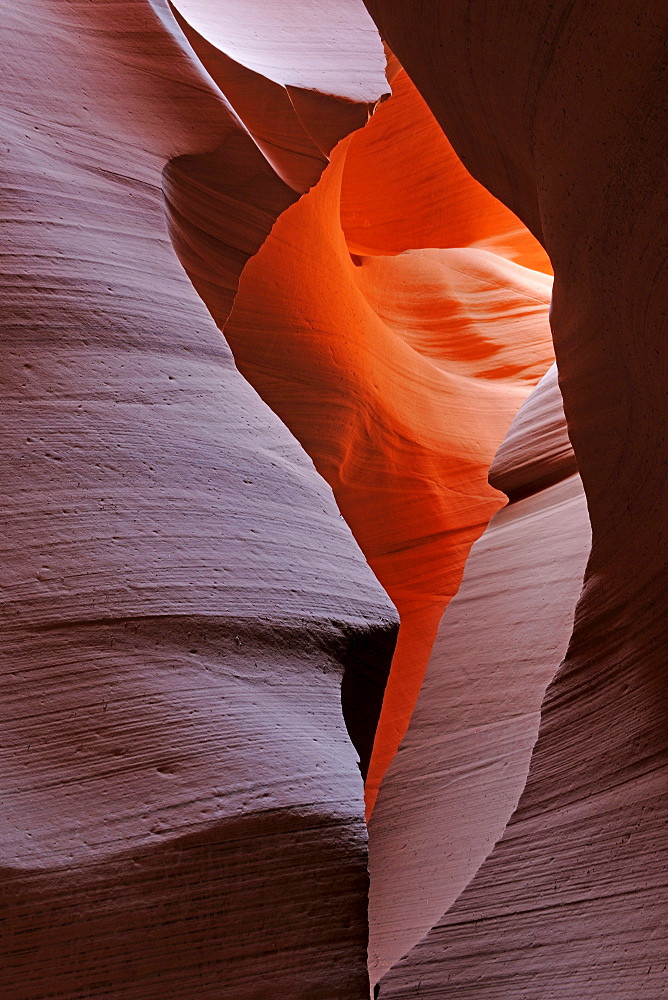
column 290, row 494
column 560, row 110
column 394, row 319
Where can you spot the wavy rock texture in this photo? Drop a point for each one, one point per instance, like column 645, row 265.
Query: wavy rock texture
column 323, row 49
column 188, row 621
column 560, row 111
column 342, row 345
column 182, row 806
column 294, row 128
column 462, row 766
column 537, row 451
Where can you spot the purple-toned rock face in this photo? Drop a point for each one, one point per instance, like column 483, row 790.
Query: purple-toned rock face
column 560, row 112
column 182, row 806
column 216, row 553
column 464, row 761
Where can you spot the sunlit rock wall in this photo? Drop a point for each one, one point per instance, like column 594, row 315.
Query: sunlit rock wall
column 560, row 111
column 265, row 343
column 182, row 805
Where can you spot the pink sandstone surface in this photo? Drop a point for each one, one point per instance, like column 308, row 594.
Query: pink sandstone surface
column 221, row 601
column 182, row 807
column 560, row 111
column 464, row 761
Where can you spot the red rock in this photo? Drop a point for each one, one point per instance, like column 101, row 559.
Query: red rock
column 182, row 807
column 465, row 758
column 560, row 112
column 404, row 188
column 342, row 349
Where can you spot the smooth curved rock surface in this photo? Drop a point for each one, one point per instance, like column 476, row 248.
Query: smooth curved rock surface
column 464, row 761
column 316, row 47
column 266, row 111
column 341, row 345
column 560, row 111
column 537, row 451
column 459, row 772
column 185, row 615
column 182, row 805
column 294, row 129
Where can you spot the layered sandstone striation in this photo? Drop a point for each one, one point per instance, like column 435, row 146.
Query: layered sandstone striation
column 221, row 601
column 560, row 112
column 182, row 806
column 457, row 778
column 341, row 328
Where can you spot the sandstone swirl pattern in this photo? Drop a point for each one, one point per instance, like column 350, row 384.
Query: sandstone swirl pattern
column 398, row 365
column 265, row 341
column 182, row 807
column 559, row 109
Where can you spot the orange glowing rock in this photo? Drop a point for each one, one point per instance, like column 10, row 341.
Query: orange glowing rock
column 404, row 187
column 341, row 343
column 560, row 110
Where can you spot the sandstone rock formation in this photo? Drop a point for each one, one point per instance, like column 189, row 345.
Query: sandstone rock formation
column 221, row 601
column 339, row 331
column 560, row 111
column 464, row 762
column 182, row 806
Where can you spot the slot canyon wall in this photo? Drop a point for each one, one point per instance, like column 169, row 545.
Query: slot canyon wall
column 182, row 806
column 334, row 610
column 560, row 110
